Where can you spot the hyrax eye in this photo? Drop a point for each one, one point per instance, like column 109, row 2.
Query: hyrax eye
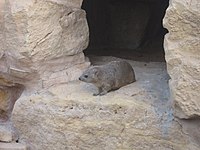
column 86, row 76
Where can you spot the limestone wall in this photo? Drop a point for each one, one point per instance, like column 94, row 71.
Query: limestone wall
column 45, row 37
column 182, row 52
column 42, row 42
column 41, row 45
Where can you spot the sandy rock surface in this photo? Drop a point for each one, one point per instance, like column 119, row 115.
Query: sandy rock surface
column 137, row 116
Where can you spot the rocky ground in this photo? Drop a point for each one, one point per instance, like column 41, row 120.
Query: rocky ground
column 138, row 116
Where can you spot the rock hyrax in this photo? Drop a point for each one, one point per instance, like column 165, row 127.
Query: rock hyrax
column 109, row 77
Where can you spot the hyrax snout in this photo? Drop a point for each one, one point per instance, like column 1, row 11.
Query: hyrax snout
column 109, row 77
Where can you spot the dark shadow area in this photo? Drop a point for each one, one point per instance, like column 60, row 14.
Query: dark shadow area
column 129, row 29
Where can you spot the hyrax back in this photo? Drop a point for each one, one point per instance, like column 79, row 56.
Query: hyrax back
column 109, row 77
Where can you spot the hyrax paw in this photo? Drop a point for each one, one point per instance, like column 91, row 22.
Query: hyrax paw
column 103, row 93
column 95, row 94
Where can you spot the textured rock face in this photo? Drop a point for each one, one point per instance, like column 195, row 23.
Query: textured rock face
column 46, row 36
column 42, row 42
column 182, row 45
column 12, row 146
column 137, row 116
column 8, row 97
column 41, row 45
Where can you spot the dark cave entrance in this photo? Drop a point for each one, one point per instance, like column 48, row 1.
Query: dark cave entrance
column 129, row 29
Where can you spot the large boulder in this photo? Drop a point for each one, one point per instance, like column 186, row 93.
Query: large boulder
column 182, row 45
column 47, row 36
column 41, row 45
column 138, row 116
column 69, row 117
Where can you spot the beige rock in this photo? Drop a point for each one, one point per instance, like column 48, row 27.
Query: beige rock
column 48, row 48
column 12, row 146
column 8, row 133
column 65, row 119
column 182, row 45
column 41, row 45
column 137, row 116
column 8, row 97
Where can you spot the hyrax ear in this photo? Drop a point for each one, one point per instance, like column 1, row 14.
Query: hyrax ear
column 94, row 71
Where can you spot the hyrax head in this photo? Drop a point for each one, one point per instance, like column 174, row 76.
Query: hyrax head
column 90, row 75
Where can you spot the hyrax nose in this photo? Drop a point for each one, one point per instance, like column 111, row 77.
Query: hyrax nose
column 79, row 78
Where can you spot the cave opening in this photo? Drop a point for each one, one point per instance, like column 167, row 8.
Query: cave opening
column 130, row 29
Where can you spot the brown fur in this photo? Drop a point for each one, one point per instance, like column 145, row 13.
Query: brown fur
column 109, row 77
